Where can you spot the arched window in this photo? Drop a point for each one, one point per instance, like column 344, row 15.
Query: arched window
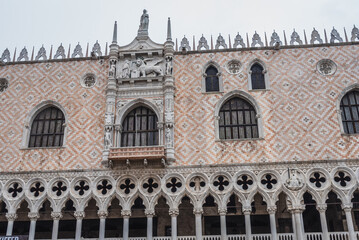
column 212, row 79
column 47, row 129
column 349, row 106
column 140, row 128
column 237, row 120
column 257, row 77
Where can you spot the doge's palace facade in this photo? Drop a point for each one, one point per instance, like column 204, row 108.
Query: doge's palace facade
column 207, row 139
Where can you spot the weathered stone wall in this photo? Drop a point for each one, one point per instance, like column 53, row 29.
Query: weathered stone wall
column 299, row 111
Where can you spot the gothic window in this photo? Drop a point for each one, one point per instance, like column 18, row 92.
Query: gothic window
column 212, row 79
column 257, row 76
column 237, row 120
column 47, row 129
column 140, row 128
column 349, row 106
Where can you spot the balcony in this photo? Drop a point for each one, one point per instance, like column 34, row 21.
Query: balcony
column 151, row 153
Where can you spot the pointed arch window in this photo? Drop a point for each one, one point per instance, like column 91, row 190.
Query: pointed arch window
column 47, row 128
column 257, row 76
column 140, row 128
column 349, row 106
column 212, row 79
column 237, row 120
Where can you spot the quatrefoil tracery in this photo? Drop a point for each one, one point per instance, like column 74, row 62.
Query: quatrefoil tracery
column 174, row 184
column 37, row 188
column 342, row 178
column 150, row 185
column 317, row 179
column 221, row 183
column 59, row 188
column 127, row 186
column 245, row 182
column 104, row 186
column 269, row 181
column 15, row 189
column 81, row 187
column 197, row 183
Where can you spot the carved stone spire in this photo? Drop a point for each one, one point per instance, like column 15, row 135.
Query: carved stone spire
column 169, row 33
column 114, row 39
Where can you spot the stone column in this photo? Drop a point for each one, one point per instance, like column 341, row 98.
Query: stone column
column 247, row 219
column 174, row 213
column 33, row 216
column 149, row 214
column 273, row 225
column 11, row 217
column 293, row 224
column 323, row 220
column 56, row 216
column 102, row 215
column 298, row 223
column 126, row 214
column 79, row 215
column 222, row 215
column 198, row 217
column 348, row 215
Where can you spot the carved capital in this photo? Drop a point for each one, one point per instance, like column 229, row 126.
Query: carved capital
column 102, row 214
column 347, row 207
column 272, row 209
column 247, row 210
column 197, row 211
column 11, row 216
column 79, row 214
column 33, row 216
column 126, row 213
column 149, row 212
column 222, row 211
column 173, row 212
column 56, row 215
column 321, row 207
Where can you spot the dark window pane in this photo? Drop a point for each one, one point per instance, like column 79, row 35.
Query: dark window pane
column 212, row 80
column 349, row 112
column 237, row 120
column 257, row 77
column 47, row 129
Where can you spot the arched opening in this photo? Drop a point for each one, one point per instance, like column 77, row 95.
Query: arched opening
column 259, row 216
column 22, row 222
column 44, row 223
column 350, row 112
column 335, row 214
column 283, row 216
column 257, row 76
column 311, row 217
column 212, row 79
column 355, row 201
column 235, row 218
column 162, row 218
column 138, row 220
column 3, row 220
column 91, row 222
column 114, row 221
column 67, row 225
column 186, row 219
column 211, row 219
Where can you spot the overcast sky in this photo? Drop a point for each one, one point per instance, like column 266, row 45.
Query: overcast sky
column 51, row 22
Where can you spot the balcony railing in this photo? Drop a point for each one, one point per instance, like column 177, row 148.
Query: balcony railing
column 137, row 153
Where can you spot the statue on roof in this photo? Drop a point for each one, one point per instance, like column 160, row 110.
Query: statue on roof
column 143, row 28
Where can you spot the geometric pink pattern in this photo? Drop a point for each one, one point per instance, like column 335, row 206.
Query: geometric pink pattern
column 300, row 120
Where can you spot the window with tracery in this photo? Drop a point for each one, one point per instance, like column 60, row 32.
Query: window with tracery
column 212, row 79
column 47, row 129
column 257, row 76
column 140, row 128
column 237, row 120
column 349, row 106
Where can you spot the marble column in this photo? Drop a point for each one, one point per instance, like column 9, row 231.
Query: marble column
column 222, row 215
column 79, row 215
column 322, row 208
column 11, row 217
column 33, row 216
column 198, row 217
column 126, row 214
column 56, row 216
column 348, row 215
column 174, row 213
column 293, row 224
column 247, row 220
column 298, row 223
column 149, row 214
column 102, row 215
column 273, row 225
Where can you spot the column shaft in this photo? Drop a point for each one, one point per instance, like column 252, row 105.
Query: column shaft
column 273, row 226
column 149, row 227
column 348, row 215
column 323, row 223
column 126, row 220
column 298, row 224
column 55, row 229
column 223, row 227
column 102, row 228
column 294, row 225
column 247, row 220
column 78, row 229
column 10, row 225
column 32, row 229
column 198, row 226
column 174, row 227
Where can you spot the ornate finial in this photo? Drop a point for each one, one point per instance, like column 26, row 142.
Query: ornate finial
column 60, row 52
column 315, row 37
column 5, row 56
column 23, row 55
column 275, row 39
column 41, row 54
column 144, row 21
column 96, row 49
column 238, row 40
column 185, row 44
column 77, row 51
column 334, row 35
column 256, row 39
column 169, row 31
column 114, row 38
column 202, row 43
column 221, row 42
column 295, row 38
column 355, row 34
